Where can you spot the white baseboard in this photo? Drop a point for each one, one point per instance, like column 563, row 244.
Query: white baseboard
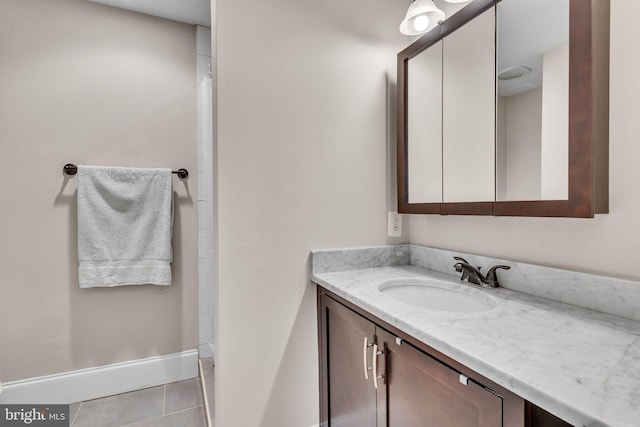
column 101, row 381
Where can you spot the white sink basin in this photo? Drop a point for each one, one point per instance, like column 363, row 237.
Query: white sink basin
column 438, row 295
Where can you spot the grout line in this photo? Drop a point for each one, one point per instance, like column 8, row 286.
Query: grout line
column 76, row 415
column 164, row 399
column 160, row 417
column 185, row 409
column 207, row 411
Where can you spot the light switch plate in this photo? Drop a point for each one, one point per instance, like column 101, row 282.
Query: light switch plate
column 394, row 225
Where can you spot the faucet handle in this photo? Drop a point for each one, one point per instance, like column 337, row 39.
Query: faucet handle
column 458, row 265
column 492, row 277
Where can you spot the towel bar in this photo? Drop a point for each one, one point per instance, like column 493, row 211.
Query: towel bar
column 70, row 170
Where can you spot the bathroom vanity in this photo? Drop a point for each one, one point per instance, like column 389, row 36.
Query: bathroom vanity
column 374, row 374
column 485, row 357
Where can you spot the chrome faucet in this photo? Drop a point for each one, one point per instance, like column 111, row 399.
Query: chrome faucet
column 473, row 275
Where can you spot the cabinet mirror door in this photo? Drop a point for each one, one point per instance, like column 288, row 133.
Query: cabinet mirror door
column 468, row 104
column 532, row 120
column 554, row 162
column 524, row 115
column 424, row 126
column 447, row 79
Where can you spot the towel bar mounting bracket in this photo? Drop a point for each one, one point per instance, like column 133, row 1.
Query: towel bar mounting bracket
column 71, row 170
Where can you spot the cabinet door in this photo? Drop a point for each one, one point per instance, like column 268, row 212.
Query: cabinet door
column 423, row 392
column 424, row 126
column 468, row 112
column 348, row 398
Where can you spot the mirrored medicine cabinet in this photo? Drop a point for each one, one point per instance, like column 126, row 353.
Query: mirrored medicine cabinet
column 503, row 110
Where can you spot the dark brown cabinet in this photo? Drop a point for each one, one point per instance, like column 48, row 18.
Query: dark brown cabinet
column 352, row 401
column 421, row 391
column 372, row 374
column 373, row 378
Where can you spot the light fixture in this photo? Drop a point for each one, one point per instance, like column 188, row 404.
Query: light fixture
column 419, row 15
column 456, row 1
column 514, row 72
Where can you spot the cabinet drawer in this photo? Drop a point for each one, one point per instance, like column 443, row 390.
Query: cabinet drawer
column 421, row 391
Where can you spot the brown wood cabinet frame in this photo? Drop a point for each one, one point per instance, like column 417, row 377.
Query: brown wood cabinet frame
column 517, row 412
column 588, row 119
column 514, row 406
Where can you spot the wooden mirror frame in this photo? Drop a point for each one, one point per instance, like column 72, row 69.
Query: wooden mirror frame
column 588, row 119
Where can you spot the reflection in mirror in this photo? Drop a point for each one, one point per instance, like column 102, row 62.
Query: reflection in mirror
column 468, row 155
column 532, row 110
column 424, row 126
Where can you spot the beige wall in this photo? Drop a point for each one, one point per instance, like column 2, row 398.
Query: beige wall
column 554, row 155
column 607, row 244
column 519, row 174
column 89, row 84
column 424, row 126
column 468, row 90
column 301, row 164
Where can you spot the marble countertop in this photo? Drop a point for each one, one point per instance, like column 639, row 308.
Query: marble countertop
column 578, row 364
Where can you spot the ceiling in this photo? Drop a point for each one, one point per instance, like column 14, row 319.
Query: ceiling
column 526, row 31
column 195, row 12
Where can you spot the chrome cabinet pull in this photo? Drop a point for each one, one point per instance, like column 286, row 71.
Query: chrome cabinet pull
column 375, row 354
column 375, row 366
column 364, row 359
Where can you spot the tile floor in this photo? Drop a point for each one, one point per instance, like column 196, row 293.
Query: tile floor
column 208, row 377
column 178, row 404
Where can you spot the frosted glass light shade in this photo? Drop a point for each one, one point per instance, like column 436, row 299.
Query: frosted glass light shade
column 418, row 17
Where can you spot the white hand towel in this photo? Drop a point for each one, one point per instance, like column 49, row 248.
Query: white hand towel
column 125, row 220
